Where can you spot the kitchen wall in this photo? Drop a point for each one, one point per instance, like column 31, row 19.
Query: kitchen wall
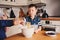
column 25, row 8
column 52, row 7
column 15, row 10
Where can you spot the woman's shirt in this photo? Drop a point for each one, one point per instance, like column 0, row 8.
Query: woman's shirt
column 3, row 24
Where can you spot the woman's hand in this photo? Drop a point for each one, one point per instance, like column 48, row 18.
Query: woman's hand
column 4, row 17
column 7, row 29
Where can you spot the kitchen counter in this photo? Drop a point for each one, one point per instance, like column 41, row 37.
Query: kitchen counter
column 39, row 36
column 51, row 18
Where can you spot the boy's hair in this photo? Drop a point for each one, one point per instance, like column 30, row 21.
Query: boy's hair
column 32, row 5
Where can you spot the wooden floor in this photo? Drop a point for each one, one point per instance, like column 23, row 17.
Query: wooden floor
column 38, row 36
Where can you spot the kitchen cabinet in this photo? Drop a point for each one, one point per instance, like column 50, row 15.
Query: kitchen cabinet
column 21, row 2
column 8, row 2
column 33, row 1
column 43, row 1
column 13, row 2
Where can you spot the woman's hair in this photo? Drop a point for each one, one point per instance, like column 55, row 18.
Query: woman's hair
column 21, row 13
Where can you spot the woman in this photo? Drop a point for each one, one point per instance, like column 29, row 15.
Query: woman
column 3, row 23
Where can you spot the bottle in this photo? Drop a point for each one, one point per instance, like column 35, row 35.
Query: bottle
column 28, row 24
column 44, row 15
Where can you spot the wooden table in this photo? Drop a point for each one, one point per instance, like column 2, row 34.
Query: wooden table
column 39, row 36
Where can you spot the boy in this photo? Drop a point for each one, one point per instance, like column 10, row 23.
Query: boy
column 33, row 18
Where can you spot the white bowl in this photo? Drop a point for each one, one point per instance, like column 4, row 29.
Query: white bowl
column 50, row 33
column 28, row 32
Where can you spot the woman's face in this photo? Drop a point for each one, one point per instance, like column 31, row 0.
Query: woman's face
column 32, row 11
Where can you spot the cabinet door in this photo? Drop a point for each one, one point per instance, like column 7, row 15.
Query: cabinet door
column 43, row 1
column 33, row 1
column 36, row 1
column 7, row 2
column 13, row 2
column 21, row 2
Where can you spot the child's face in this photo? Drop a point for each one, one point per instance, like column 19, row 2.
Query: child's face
column 16, row 21
column 32, row 11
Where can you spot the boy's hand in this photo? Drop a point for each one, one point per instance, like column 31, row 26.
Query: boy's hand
column 39, row 29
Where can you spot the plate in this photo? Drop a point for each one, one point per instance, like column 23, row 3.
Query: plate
column 50, row 33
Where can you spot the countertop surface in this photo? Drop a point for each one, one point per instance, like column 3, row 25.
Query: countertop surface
column 51, row 18
column 39, row 36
